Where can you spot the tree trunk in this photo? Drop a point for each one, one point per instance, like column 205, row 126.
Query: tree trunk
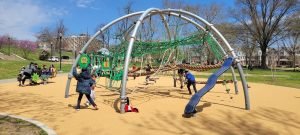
column 264, row 58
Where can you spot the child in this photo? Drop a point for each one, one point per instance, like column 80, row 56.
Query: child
column 148, row 71
column 129, row 108
column 93, row 85
column 134, row 69
column 83, row 87
column 181, row 74
column 190, row 81
column 20, row 75
column 28, row 71
column 44, row 74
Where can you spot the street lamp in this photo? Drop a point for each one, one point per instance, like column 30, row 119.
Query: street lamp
column 9, row 46
column 60, row 37
column 51, row 45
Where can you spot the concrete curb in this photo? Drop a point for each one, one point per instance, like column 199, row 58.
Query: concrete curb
column 48, row 130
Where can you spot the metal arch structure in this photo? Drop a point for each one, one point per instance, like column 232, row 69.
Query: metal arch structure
column 185, row 15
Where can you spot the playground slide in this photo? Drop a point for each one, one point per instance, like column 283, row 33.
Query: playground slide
column 190, row 107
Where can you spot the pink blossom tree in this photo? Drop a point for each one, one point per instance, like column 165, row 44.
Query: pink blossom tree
column 26, row 46
column 3, row 41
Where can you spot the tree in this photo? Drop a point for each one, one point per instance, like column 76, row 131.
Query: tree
column 27, row 47
column 45, row 35
column 123, row 25
column 3, row 40
column 246, row 43
column 264, row 19
column 7, row 41
column 104, row 37
column 176, row 24
column 291, row 41
column 60, row 28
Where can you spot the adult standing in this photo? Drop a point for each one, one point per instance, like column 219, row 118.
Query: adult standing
column 28, row 71
column 148, row 71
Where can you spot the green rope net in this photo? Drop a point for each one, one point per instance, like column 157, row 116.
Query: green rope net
column 112, row 64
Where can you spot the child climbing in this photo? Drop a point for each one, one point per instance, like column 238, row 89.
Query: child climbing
column 190, row 81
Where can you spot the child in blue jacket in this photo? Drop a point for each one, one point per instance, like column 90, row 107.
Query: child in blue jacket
column 84, row 83
column 190, row 81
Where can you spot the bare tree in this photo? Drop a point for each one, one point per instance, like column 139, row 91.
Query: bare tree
column 124, row 24
column 60, row 28
column 212, row 13
column 291, row 41
column 263, row 19
column 174, row 22
column 45, row 35
column 104, row 37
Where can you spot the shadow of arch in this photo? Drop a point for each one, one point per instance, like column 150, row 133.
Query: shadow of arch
column 201, row 107
column 115, row 105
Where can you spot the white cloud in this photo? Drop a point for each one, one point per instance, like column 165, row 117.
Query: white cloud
column 18, row 18
column 58, row 12
column 83, row 3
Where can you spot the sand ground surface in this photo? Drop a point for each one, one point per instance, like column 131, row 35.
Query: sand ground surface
column 274, row 109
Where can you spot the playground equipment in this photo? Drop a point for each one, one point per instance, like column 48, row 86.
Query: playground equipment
column 190, row 107
column 103, row 64
column 218, row 45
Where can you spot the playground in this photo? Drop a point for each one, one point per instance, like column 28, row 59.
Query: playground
column 274, row 109
column 142, row 84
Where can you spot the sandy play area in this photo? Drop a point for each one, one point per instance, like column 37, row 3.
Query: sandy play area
column 274, row 109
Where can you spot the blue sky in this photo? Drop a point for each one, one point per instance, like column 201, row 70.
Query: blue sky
column 22, row 19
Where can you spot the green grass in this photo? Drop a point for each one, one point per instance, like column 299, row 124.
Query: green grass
column 282, row 78
column 10, row 69
column 32, row 55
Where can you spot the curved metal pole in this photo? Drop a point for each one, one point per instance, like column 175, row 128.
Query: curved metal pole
column 88, row 43
column 244, row 83
column 127, row 58
column 231, row 68
column 223, row 51
column 132, row 41
column 145, row 15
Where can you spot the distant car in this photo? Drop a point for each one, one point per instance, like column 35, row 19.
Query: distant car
column 53, row 59
column 65, row 57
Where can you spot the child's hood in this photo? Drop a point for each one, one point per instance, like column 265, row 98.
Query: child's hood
column 85, row 75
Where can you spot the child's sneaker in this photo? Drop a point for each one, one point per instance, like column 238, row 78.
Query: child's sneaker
column 87, row 104
column 77, row 108
column 95, row 108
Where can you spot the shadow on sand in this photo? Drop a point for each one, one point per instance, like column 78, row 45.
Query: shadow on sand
column 226, row 122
